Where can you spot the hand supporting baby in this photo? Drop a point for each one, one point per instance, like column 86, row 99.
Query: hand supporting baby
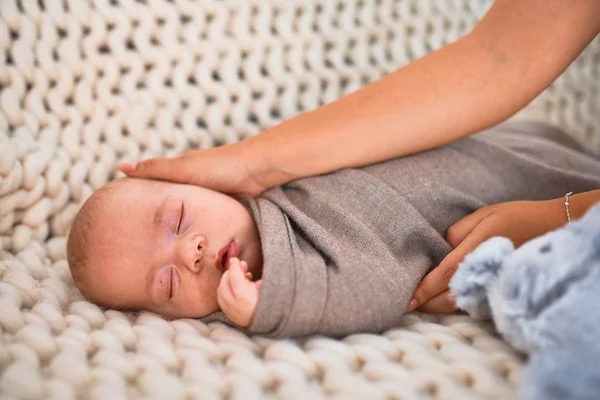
column 237, row 294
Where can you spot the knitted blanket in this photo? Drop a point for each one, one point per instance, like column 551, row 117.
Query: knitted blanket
column 84, row 84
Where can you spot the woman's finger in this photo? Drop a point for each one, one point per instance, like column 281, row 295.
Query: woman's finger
column 442, row 303
column 168, row 169
column 437, row 280
column 459, row 231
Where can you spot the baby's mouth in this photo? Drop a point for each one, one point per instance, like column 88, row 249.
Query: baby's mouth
column 227, row 252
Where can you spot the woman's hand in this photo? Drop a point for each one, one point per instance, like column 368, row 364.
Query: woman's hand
column 519, row 221
column 226, row 169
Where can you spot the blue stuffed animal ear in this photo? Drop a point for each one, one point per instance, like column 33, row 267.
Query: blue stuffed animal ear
column 471, row 281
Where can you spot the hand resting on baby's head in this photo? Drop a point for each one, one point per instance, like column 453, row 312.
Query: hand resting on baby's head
column 173, row 249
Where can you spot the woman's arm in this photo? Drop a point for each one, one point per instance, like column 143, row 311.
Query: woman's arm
column 517, row 50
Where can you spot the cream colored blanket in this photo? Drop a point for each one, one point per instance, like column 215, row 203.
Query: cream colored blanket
column 84, row 84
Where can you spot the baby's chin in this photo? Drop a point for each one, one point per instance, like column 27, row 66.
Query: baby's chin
column 204, row 310
column 188, row 315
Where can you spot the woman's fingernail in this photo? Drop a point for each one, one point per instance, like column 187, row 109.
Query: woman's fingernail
column 412, row 305
column 452, row 298
column 127, row 166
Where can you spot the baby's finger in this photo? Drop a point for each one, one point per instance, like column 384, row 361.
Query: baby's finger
column 233, row 265
column 244, row 266
column 238, row 282
column 224, row 296
column 237, row 262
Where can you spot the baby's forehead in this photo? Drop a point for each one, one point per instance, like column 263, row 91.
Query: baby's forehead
column 122, row 209
column 124, row 196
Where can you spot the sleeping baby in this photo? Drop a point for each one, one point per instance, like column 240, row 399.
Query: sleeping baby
column 332, row 254
column 163, row 247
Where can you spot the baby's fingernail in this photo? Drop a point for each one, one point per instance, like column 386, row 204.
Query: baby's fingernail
column 412, row 305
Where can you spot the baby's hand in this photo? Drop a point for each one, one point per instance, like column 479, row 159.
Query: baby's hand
column 237, row 294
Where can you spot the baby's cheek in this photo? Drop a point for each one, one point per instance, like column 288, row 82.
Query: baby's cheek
column 207, row 293
column 221, row 281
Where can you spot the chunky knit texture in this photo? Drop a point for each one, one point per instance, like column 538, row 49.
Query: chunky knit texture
column 84, row 84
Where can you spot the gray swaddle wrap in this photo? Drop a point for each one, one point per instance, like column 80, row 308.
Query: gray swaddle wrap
column 343, row 252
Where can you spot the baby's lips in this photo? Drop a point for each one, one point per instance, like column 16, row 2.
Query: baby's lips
column 226, row 254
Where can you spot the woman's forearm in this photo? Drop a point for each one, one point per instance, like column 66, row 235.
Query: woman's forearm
column 515, row 52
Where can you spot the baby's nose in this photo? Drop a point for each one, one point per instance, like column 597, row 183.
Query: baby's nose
column 194, row 253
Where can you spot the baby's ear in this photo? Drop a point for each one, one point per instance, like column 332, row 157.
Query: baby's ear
column 480, row 268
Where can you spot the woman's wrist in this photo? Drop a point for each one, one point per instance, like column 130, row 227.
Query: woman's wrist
column 555, row 215
column 256, row 156
column 580, row 203
column 559, row 210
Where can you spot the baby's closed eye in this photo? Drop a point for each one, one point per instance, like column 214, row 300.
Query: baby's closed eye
column 181, row 215
column 184, row 220
column 174, row 215
column 171, row 283
column 165, row 281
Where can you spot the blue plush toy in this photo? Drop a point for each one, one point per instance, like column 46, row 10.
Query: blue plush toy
column 544, row 298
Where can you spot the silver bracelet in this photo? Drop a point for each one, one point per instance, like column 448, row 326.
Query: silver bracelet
column 567, row 206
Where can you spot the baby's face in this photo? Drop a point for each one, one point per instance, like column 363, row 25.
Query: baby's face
column 163, row 247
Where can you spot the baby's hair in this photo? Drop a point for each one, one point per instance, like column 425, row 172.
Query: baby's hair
column 80, row 236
